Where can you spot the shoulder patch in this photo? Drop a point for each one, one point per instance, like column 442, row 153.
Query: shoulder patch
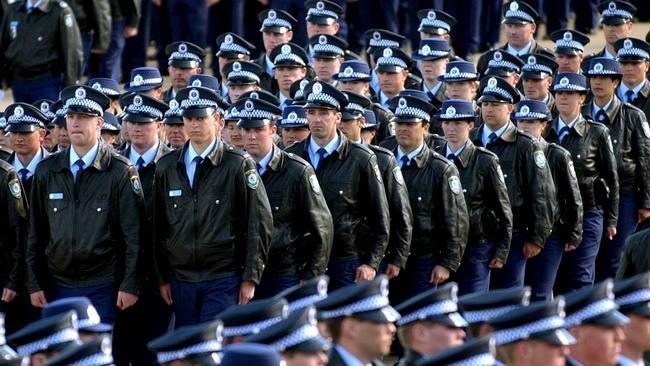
column 15, row 189
column 136, row 185
column 68, row 20
column 540, row 159
column 399, row 178
column 63, row 4
column 454, row 184
column 252, row 179
column 315, row 186
column 646, row 129
column 377, row 172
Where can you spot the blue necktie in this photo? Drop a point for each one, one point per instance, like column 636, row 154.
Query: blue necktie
column 321, row 153
column 630, row 96
column 197, row 161
column 491, row 138
column 563, row 132
column 140, row 163
column 259, row 168
column 600, row 116
column 23, row 174
column 451, row 157
column 405, row 161
column 80, row 166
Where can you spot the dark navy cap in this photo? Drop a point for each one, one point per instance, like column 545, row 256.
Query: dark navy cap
column 242, row 73
column 289, row 55
column 323, row 12
column 322, row 95
column 297, row 333
column 141, row 108
column 197, row 101
column 263, row 95
column 185, row 55
column 23, row 117
column 531, row 110
column 594, row 305
column 250, row 318
column 251, row 354
column 315, row 289
column 327, row 46
column 632, row 49
column 357, row 104
column 456, row 110
column 570, row 82
column 542, row 321
column 200, row 343
column 107, row 86
column 6, row 352
column 143, row 79
column 459, row 71
column 371, row 120
column 500, row 60
column 59, row 111
column 603, row 66
column 233, row 47
column 46, row 335
column 84, row 99
column 391, row 60
column 616, row 12
column 481, row 307
column 45, row 105
column 435, row 21
column 537, row 66
column 432, row 49
column 173, row 114
column 88, row 319
column 349, row 55
column 276, row 21
column 206, row 81
column 353, row 70
column 365, row 301
column 297, row 90
column 569, row 42
column 111, row 124
column 474, row 352
column 496, row 89
column 633, row 295
column 256, row 112
column 95, row 352
column 231, row 114
column 518, row 12
column 381, row 38
column 439, row 305
column 293, row 116
column 408, row 93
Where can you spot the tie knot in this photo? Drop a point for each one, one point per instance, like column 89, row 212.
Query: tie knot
column 79, row 163
column 405, row 160
column 140, row 163
column 23, row 173
column 629, row 95
column 451, row 156
column 321, row 152
column 600, row 116
column 492, row 137
column 258, row 166
column 198, row 160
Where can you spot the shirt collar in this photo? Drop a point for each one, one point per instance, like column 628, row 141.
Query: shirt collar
column 269, row 65
column 191, row 153
column 282, row 98
column 87, row 159
column 515, row 52
column 487, row 131
column 457, row 152
column 265, row 160
column 148, row 155
column 561, row 123
column 623, row 89
column 32, row 164
column 348, row 358
column 383, row 99
column 608, row 55
column 433, row 90
column 411, row 155
column 330, row 147
column 224, row 89
column 30, row 6
column 595, row 108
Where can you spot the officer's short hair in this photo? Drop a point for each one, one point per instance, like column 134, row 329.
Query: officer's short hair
column 506, row 353
column 334, row 327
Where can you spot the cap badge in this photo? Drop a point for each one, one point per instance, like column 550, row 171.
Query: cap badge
column 248, row 106
column 227, row 39
column 194, row 94
column 321, row 287
column 383, row 286
column 182, row 48
column 196, row 82
column 292, row 117
column 564, row 81
column 524, row 110
column 611, row 6
column 317, row 88
column 348, row 71
column 236, row 66
column 173, row 104
column 451, row 111
column 532, row 60
column 598, row 67
column 106, row 346
column 19, row 112
column 388, row 52
column 492, row 82
column 322, row 39
column 254, row 95
column 497, row 56
column 431, row 15
column 376, row 36
column 286, row 49
column 627, row 44
column 402, row 103
column 137, row 80
column 97, row 86
column 320, row 5
column 426, row 50
column 312, row 316
column 272, row 14
column 454, row 71
column 514, row 6
column 137, row 100
column 303, row 83
column 45, row 107
column 80, row 93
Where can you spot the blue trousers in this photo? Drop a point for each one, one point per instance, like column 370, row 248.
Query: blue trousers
column 87, row 43
column 467, row 38
column 473, row 275
column 541, row 269
column 135, row 48
column 415, row 277
column 29, row 92
column 110, row 65
column 557, row 14
column 342, row 273
column 578, row 267
column 103, row 297
column 610, row 250
column 271, row 286
column 199, row 302
column 512, row 273
column 189, row 21
column 225, row 16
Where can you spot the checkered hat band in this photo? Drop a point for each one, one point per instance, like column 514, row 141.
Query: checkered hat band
column 62, row 336
column 519, row 14
column 323, row 97
column 243, row 74
column 184, row 56
column 277, row 22
column 439, row 308
column 636, row 297
column 289, row 57
column 109, row 127
column 212, row 345
column 568, row 87
column 597, row 308
column 530, row 115
column 435, row 23
column 412, row 111
column 538, row 68
column 152, row 81
column 250, row 328
column 299, row 94
column 302, row 334
column 256, row 114
column 87, row 103
column 354, row 75
column 433, row 53
column 202, row 103
column 503, row 64
column 457, row 116
column 61, row 112
column 24, row 118
column 569, row 44
column 49, row 114
column 476, row 316
column 383, row 43
column 505, row 336
column 374, row 302
column 460, row 75
column 322, row 13
column 602, row 72
column 328, row 48
column 139, row 109
column 108, row 91
column 633, row 52
column 392, row 61
column 233, row 47
column 354, row 107
column 484, row 359
column 618, row 13
column 496, row 90
column 308, row 300
column 176, row 112
column 94, row 360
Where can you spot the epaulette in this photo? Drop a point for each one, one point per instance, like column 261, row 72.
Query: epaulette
column 297, row 158
column 378, row 149
column 486, row 151
column 120, row 158
column 5, row 166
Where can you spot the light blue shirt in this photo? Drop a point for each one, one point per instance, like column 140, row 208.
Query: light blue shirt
column 609, row 55
column 148, row 155
column 595, row 108
column 87, row 159
column 284, row 101
column 515, row 52
column 224, row 90
column 190, row 154
column 561, row 123
column 313, row 148
column 383, row 99
column 624, row 361
column 265, row 162
column 347, row 357
column 622, row 90
column 433, row 91
column 457, row 152
column 487, row 132
column 411, row 155
column 31, row 167
column 269, row 65
column 31, row 7
column 374, row 81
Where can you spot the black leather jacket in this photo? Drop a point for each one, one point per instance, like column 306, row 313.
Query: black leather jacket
column 220, row 227
column 13, row 216
column 86, row 232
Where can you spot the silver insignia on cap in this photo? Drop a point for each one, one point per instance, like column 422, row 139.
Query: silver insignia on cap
column 376, row 36
column 426, row 50
column 524, row 110
column 182, row 48
column 138, row 79
column 254, row 95
column 454, row 71
column 322, row 39
column 348, row 71
column 431, row 14
column 137, row 100
column 227, row 39
column 598, row 67
column 402, row 103
column 236, row 66
column 317, row 88
column 388, row 52
column 106, row 346
column 320, row 5
column 272, row 14
column 248, row 106
column 627, row 44
column 196, row 82
column 567, row 36
column 451, row 111
column 532, row 60
column 564, row 81
column 497, row 56
column 286, row 49
column 611, row 6
column 514, row 6
column 19, row 112
column 173, row 104
column 292, row 117
column 492, row 82
column 45, row 107
column 194, row 94
column 80, row 93
column 97, row 86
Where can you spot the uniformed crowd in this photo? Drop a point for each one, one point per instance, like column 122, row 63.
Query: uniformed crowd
column 227, row 209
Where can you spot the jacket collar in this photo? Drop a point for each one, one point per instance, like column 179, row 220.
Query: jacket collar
column 214, row 156
column 466, row 153
column 101, row 162
column 421, row 158
column 610, row 112
column 276, row 159
column 342, row 150
column 580, row 126
column 645, row 91
column 162, row 150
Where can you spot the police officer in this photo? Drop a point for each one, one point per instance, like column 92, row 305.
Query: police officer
column 392, row 71
column 461, row 81
column 378, row 39
column 632, row 299
column 302, row 224
column 277, row 29
column 89, row 181
column 199, row 344
column 432, row 57
column 486, row 196
column 527, row 176
column 569, row 49
column 328, row 54
column 60, row 128
column 231, row 134
column 42, row 49
column 616, row 18
column 289, row 65
column 240, row 321
column 593, row 155
column 532, row 117
column 435, row 24
column 110, row 131
column 208, row 266
column 305, row 294
column 293, row 125
column 146, row 79
column 504, row 65
column 231, row 48
column 5, row 151
column 242, row 77
column 370, row 127
column 537, row 75
column 111, row 89
column 634, row 57
column 185, row 60
column 630, row 134
column 95, row 352
column 353, row 187
column 325, row 17
column 173, row 126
